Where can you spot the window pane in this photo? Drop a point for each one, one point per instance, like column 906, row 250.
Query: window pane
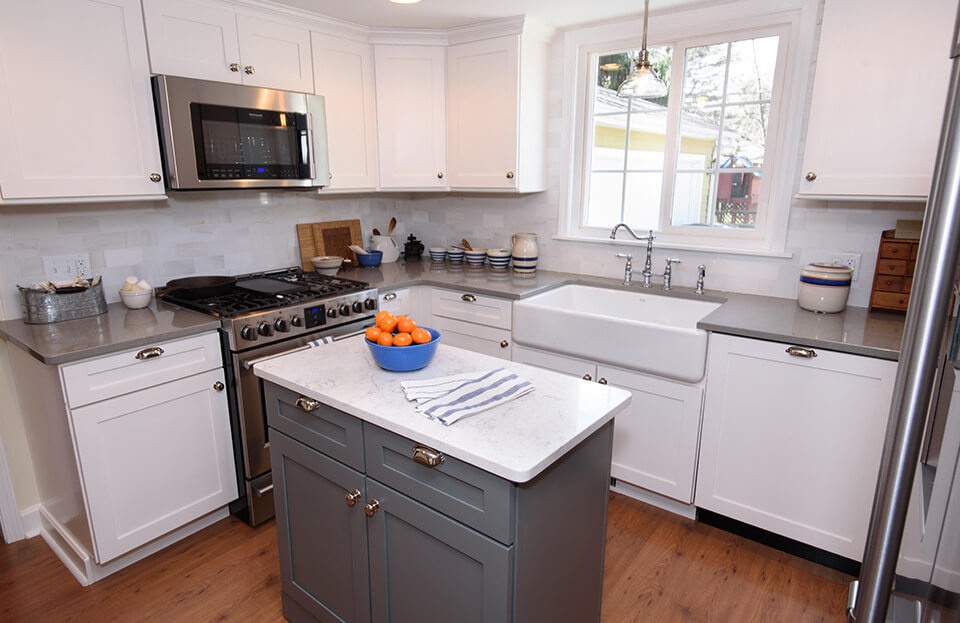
column 641, row 205
column 703, row 74
column 606, row 193
column 609, row 142
column 691, row 196
column 752, row 64
column 699, row 135
column 737, row 201
column 648, row 137
column 744, row 135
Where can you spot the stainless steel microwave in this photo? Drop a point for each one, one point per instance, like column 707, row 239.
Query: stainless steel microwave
column 216, row 135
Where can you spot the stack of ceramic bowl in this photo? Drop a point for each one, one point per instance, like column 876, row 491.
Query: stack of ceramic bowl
column 824, row 287
column 476, row 257
column 438, row 254
column 455, row 254
column 498, row 258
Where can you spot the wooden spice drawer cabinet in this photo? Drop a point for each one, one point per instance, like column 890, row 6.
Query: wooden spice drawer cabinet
column 894, row 275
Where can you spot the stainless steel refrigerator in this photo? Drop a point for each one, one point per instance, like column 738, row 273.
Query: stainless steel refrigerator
column 911, row 564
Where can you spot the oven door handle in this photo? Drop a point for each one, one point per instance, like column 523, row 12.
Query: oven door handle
column 252, row 362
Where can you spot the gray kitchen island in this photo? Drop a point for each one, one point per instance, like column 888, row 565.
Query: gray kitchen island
column 386, row 515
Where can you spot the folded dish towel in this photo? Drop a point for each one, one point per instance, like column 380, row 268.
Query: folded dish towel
column 451, row 398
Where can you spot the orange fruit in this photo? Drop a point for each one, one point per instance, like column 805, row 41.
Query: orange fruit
column 388, row 324
column 380, row 314
column 420, row 336
column 385, row 339
column 402, row 339
column 405, row 325
column 373, row 333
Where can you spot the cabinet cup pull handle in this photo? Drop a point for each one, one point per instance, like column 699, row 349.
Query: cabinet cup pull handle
column 427, row 456
column 149, row 353
column 509, row 175
column 602, row 381
column 504, row 343
column 371, row 508
column 248, row 70
column 811, row 176
column 155, row 177
column 469, row 298
column 308, row 404
column 439, row 175
column 389, row 296
column 234, row 67
column 218, row 386
column 797, row 351
column 263, row 490
column 353, row 497
column 587, row 377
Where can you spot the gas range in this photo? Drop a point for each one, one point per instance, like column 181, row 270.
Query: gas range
column 277, row 305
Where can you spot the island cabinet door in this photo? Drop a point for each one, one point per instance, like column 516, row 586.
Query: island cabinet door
column 425, row 566
column 321, row 532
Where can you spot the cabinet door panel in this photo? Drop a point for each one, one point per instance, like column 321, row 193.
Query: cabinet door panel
column 557, row 363
column 793, row 445
column 655, row 439
column 76, row 110
column 154, row 460
column 475, row 337
column 424, row 565
column 192, row 40
column 323, row 543
column 411, row 120
column 279, row 55
column 482, row 112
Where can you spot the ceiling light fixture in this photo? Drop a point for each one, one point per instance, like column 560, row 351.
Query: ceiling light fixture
column 642, row 81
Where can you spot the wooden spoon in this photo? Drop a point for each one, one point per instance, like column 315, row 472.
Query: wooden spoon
column 466, row 245
column 393, row 223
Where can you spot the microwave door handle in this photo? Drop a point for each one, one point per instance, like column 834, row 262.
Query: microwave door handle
column 306, row 146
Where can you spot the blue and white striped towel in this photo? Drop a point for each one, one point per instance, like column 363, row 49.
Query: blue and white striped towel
column 450, row 398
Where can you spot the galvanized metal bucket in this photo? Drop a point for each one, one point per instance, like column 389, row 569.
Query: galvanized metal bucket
column 41, row 307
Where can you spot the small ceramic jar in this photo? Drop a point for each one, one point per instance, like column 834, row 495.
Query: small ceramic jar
column 824, row 287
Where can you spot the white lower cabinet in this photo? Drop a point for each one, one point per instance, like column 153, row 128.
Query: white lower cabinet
column 655, row 438
column 478, row 338
column 792, row 444
column 474, row 322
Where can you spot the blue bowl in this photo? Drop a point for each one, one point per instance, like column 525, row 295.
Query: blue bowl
column 370, row 258
column 405, row 358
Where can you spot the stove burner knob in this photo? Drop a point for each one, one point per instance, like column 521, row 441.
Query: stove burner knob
column 249, row 332
column 281, row 325
column 331, row 313
column 344, row 310
column 370, row 303
column 296, row 321
column 265, row 329
column 357, row 307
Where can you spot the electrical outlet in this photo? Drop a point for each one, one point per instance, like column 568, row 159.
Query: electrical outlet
column 849, row 259
column 83, row 265
column 66, row 267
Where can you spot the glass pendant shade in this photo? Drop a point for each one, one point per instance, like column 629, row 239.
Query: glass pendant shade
column 642, row 82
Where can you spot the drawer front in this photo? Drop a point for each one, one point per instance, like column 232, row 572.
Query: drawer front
column 396, row 301
column 105, row 377
column 478, row 338
column 890, row 300
column 891, row 267
column 890, row 283
column 332, row 432
column 914, row 249
column 472, row 496
column 895, row 250
column 463, row 305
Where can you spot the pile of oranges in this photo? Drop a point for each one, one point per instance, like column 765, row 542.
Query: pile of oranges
column 393, row 330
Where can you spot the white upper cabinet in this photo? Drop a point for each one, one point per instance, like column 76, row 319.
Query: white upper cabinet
column 76, row 111
column 496, row 121
column 411, row 120
column 878, row 98
column 209, row 41
column 343, row 75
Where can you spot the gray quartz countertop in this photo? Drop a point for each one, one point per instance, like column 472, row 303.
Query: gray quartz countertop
column 855, row 331
column 118, row 329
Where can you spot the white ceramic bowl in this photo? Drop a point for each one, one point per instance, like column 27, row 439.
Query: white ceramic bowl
column 438, row 254
column 498, row 258
column 476, row 257
column 824, row 287
column 455, row 254
column 136, row 299
column 327, row 262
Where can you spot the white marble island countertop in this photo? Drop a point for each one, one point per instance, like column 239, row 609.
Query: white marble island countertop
column 515, row 441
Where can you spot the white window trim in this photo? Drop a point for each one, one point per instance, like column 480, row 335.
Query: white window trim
column 798, row 18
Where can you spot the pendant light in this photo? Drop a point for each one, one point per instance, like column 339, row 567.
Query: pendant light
column 642, row 81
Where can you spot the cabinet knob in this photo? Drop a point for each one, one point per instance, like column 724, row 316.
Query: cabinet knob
column 218, row 386
column 427, row 456
column 468, row 298
column 308, row 404
column 587, row 377
column 330, row 176
column 248, row 70
column 504, row 343
column 371, row 508
column 797, row 351
column 602, row 381
column 440, row 175
column 155, row 177
column 149, row 353
column 509, row 175
column 234, row 67
column 810, row 176
column 353, row 497
column 389, row 296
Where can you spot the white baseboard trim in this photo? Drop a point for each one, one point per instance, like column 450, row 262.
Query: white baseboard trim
column 30, row 519
column 654, row 499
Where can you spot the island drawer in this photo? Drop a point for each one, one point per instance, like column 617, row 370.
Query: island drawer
column 332, row 432
column 470, row 495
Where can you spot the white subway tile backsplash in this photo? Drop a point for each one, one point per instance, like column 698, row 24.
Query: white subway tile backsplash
column 122, row 257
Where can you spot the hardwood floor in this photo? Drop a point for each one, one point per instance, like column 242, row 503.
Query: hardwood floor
column 660, row 568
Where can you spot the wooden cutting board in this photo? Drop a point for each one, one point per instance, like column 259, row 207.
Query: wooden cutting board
column 328, row 238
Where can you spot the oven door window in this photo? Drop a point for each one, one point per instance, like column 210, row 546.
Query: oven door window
column 244, row 143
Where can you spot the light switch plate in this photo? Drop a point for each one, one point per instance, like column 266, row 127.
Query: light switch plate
column 66, row 267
